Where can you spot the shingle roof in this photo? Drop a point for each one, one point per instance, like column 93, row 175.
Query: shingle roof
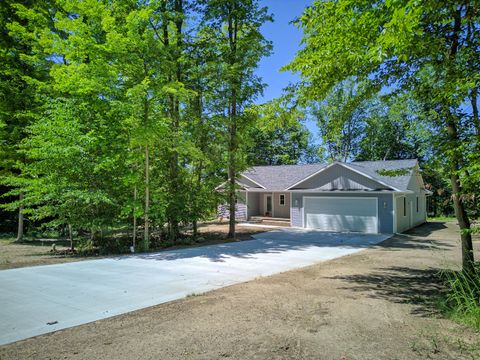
column 280, row 177
column 399, row 182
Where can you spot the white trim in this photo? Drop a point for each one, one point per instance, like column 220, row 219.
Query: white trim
column 291, row 208
column 246, row 177
column 374, row 192
column 394, row 213
column 347, row 167
column 280, row 198
column 410, row 222
column 273, row 204
column 336, row 198
column 219, row 186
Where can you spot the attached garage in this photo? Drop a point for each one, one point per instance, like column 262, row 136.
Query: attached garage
column 341, row 214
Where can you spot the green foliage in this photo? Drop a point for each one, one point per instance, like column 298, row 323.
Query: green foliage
column 393, row 173
column 114, row 112
column 462, row 300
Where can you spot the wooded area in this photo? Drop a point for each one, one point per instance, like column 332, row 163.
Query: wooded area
column 119, row 114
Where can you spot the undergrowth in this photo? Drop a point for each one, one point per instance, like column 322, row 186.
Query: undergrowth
column 461, row 302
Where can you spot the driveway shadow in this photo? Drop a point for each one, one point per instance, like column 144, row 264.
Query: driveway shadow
column 401, row 285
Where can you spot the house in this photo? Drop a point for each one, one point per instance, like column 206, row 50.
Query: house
column 363, row 196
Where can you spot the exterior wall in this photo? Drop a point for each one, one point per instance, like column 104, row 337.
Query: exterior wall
column 338, row 177
column 240, row 209
column 257, row 207
column 385, row 208
column 281, row 211
column 261, row 204
column 253, row 204
column 411, row 218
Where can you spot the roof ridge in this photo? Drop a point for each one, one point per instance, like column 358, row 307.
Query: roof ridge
column 278, row 165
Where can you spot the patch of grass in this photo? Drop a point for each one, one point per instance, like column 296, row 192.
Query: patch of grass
column 461, row 302
column 442, row 218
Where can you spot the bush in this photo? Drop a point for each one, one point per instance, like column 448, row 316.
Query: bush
column 113, row 245
column 462, row 299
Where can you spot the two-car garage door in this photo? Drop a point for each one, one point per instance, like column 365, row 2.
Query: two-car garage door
column 341, row 214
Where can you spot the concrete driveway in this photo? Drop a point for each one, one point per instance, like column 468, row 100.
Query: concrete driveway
column 42, row 299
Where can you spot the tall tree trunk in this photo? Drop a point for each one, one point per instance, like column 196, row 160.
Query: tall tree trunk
column 174, row 181
column 232, row 145
column 458, row 204
column 456, row 158
column 146, row 234
column 20, row 219
column 134, row 234
column 232, row 148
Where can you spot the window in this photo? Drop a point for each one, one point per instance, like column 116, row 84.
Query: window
column 404, row 206
column 417, row 203
column 282, row 199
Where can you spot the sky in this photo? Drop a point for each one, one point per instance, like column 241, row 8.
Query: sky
column 286, row 41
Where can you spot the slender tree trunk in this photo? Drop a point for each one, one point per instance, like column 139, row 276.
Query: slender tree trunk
column 70, row 236
column 458, row 204
column 456, row 158
column 20, row 219
column 146, row 234
column 174, row 181
column 134, row 235
column 232, row 146
column 476, row 120
column 232, row 196
column 195, row 229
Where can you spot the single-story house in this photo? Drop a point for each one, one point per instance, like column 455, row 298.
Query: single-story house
column 361, row 196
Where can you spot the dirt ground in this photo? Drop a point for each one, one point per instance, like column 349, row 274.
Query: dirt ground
column 37, row 252
column 376, row 304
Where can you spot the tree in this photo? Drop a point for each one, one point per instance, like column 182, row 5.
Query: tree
column 22, row 69
column 394, row 129
column 429, row 48
column 235, row 33
column 277, row 136
column 341, row 120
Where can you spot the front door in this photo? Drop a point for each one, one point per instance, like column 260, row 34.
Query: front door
column 268, row 211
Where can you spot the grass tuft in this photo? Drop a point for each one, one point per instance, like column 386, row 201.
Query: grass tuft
column 461, row 302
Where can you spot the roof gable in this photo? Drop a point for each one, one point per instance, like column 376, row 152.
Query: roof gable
column 362, row 175
column 339, row 177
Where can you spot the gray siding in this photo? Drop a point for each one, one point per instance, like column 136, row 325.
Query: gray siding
column 385, row 208
column 240, row 209
column 338, row 177
column 280, row 211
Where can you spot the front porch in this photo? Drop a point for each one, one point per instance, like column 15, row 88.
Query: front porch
column 268, row 206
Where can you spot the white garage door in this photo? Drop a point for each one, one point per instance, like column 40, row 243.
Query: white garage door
column 341, row 214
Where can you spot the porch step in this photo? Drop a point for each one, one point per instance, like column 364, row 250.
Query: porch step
column 266, row 220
